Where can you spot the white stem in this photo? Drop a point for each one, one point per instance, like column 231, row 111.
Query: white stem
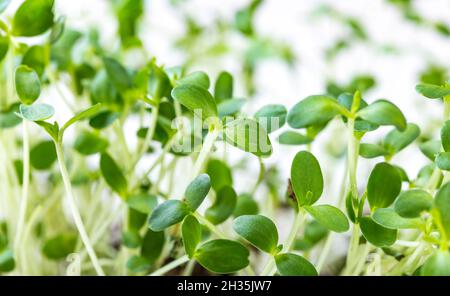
column 170, row 266
column 204, row 152
column 74, row 209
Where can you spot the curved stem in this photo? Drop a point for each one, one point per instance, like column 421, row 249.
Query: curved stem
column 25, row 187
column 74, row 209
column 260, row 176
column 168, row 267
column 204, row 152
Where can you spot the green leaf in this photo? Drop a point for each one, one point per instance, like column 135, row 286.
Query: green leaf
column 384, row 185
column 195, row 98
column 430, row 148
column 131, row 239
column 371, row 150
column 4, row 46
column 442, row 204
column 43, row 155
column 88, row 143
column 7, row 262
column 397, row 140
column 437, row 264
column 219, row 173
column 138, row 264
column 223, row 206
column 245, row 205
column 389, row 218
column 443, row 161
column 248, row 135
column 113, row 175
column 118, row 74
column 136, row 219
column 85, row 114
column 383, row 112
column 128, row 16
column 329, row 216
column 159, row 85
column 306, row 178
column 8, row 117
column 28, row 86
column 36, row 112
column 192, row 234
column 223, row 89
column 60, row 246
column 258, row 230
column 411, row 203
column 445, row 136
column 314, row 110
column 167, row 214
column 230, row 107
column 376, row 234
column 32, row 18
column 142, row 202
column 197, row 190
column 432, row 91
column 198, row 78
column 103, row 119
column 294, row 265
column 152, row 245
column 271, row 117
column 294, row 138
column 57, row 29
column 222, row 256
column 314, row 233
column 35, row 58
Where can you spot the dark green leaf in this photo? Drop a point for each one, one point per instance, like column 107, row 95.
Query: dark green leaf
column 223, row 206
column 222, row 256
column 43, row 155
column 329, row 216
column 445, row 136
column 131, row 239
column 138, row 264
column 197, row 190
column 442, row 204
column 192, row 234
column 118, row 74
column 33, row 17
column 4, row 46
column 294, row 265
column 258, row 230
column 223, row 89
column 411, row 203
column 88, row 143
column 8, row 117
column 7, row 262
column 271, row 117
column 167, row 214
column 248, row 135
column 60, row 246
column 219, row 173
column 28, row 86
column 152, row 245
column 376, row 234
column 245, row 205
column 397, row 140
column 383, row 186
column 85, row 114
column 306, row 178
column 113, row 174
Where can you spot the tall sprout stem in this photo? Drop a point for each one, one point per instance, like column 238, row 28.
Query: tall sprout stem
column 205, row 151
column 25, row 186
column 168, row 267
column 74, row 210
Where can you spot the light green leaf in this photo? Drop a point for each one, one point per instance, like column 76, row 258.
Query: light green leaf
column 195, row 98
column 306, row 178
column 223, row 206
column 432, row 91
column 411, row 203
column 258, row 230
column 371, row 150
column 294, row 138
column 389, row 218
column 32, row 18
column 167, row 214
column 4, row 46
column 142, row 202
column 445, row 136
column 219, row 173
column 118, row 74
column 245, row 205
column 198, row 78
column 314, row 110
column 88, row 143
column 197, row 190
column 43, row 155
column 113, row 175
column 192, row 234
column 383, row 112
column 230, row 107
column 271, row 117
column 442, row 204
column 222, row 256
column 28, row 86
column 383, row 186
column 437, row 264
column 223, row 89
column 376, row 234
column 397, row 140
column 60, row 246
column 248, row 135
column 329, row 216
column 443, row 161
column 294, row 265
column 36, row 112
column 85, row 114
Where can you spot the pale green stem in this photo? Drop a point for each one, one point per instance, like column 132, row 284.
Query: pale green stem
column 148, row 136
column 205, row 151
column 74, row 209
column 168, row 267
column 260, row 176
column 25, row 187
